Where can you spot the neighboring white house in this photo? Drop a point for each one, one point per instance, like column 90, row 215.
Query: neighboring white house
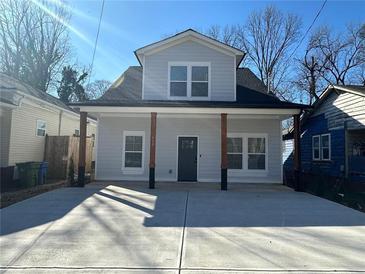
column 194, row 85
column 26, row 116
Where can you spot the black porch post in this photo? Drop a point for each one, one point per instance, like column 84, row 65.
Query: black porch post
column 224, row 160
column 152, row 150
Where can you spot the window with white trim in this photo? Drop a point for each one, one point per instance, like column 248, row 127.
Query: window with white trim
column 316, row 147
column 234, row 152
column 189, row 80
column 133, row 150
column 41, row 128
column 256, row 153
column 199, row 81
column 77, row 132
column 247, row 152
column 178, row 81
column 321, row 147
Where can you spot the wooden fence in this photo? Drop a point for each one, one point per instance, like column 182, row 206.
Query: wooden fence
column 59, row 151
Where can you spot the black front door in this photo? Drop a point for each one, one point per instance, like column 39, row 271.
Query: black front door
column 187, row 158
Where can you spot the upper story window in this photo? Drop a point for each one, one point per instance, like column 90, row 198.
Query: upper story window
column 178, row 80
column 189, row 80
column 41, row 128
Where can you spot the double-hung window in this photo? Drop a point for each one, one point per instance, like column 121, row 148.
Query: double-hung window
column 234, row 152
column 178, row 81
column 256, row 152
column 247, row 152
column 321, row 147
column 199, row 81
column 133, row 151
column 41, row 128
column 189, row 81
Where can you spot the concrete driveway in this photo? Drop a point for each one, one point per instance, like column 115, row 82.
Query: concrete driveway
column 180, row 228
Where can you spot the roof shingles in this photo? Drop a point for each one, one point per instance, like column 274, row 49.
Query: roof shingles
column 127, row 91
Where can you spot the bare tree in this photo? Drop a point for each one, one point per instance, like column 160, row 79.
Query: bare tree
column 309, row 76
column 267, row 37
column 339, row 54
column 228, row 35
column 360, row 75
column 34, row 41
column 96, row 89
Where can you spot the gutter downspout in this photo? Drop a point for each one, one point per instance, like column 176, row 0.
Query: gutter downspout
column 60, row 122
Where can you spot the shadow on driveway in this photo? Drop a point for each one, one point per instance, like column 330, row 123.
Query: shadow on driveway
column 240, row 206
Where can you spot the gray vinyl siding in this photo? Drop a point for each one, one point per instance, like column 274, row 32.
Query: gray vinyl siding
column 5, row 125
column 346, row 107
column 222, row 70
column 273, row 129
column 109, row 147
column 208, row 132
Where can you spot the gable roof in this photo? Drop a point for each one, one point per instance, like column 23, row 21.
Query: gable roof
column 127, row 91
column 354, row 89
column 193, row 35
column 10, row 83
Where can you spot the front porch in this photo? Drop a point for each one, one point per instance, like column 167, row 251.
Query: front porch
column 161, row 136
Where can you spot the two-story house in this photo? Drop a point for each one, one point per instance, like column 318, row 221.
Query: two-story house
column 189, row 113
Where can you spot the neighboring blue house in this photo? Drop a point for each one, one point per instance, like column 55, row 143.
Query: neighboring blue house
column 332, row 135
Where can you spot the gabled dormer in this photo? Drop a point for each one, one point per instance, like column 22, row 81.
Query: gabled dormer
column 189, row 66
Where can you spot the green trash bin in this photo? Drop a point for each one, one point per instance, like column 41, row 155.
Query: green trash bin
column 28, row 173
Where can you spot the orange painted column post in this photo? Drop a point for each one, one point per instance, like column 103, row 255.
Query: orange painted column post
column 152, row 150
column 82, row 149
column 224, row 159
column 297, row 160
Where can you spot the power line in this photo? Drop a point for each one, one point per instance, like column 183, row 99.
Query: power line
column 96, row 39
column 310, row 27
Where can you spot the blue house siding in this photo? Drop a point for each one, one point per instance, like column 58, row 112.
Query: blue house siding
column 315, row 126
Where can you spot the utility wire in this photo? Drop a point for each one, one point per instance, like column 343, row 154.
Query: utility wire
column 96, row 39
column 310, row 27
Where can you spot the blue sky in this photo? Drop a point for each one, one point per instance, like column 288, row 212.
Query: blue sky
column 128, row 25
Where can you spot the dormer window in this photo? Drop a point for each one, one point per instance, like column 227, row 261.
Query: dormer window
column 189, row 81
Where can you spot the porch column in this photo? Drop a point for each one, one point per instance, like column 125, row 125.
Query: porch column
column 224, row 160
column 297, row 161
column 82, row 149
column 152, row 150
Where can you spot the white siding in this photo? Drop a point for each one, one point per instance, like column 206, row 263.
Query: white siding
column 222, row 70
column 109, row 154
column 288, row 147
column 346, row 107
column 5, row 125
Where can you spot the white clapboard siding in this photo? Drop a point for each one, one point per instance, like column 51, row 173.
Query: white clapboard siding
column 345, row 107
column 25, row 145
